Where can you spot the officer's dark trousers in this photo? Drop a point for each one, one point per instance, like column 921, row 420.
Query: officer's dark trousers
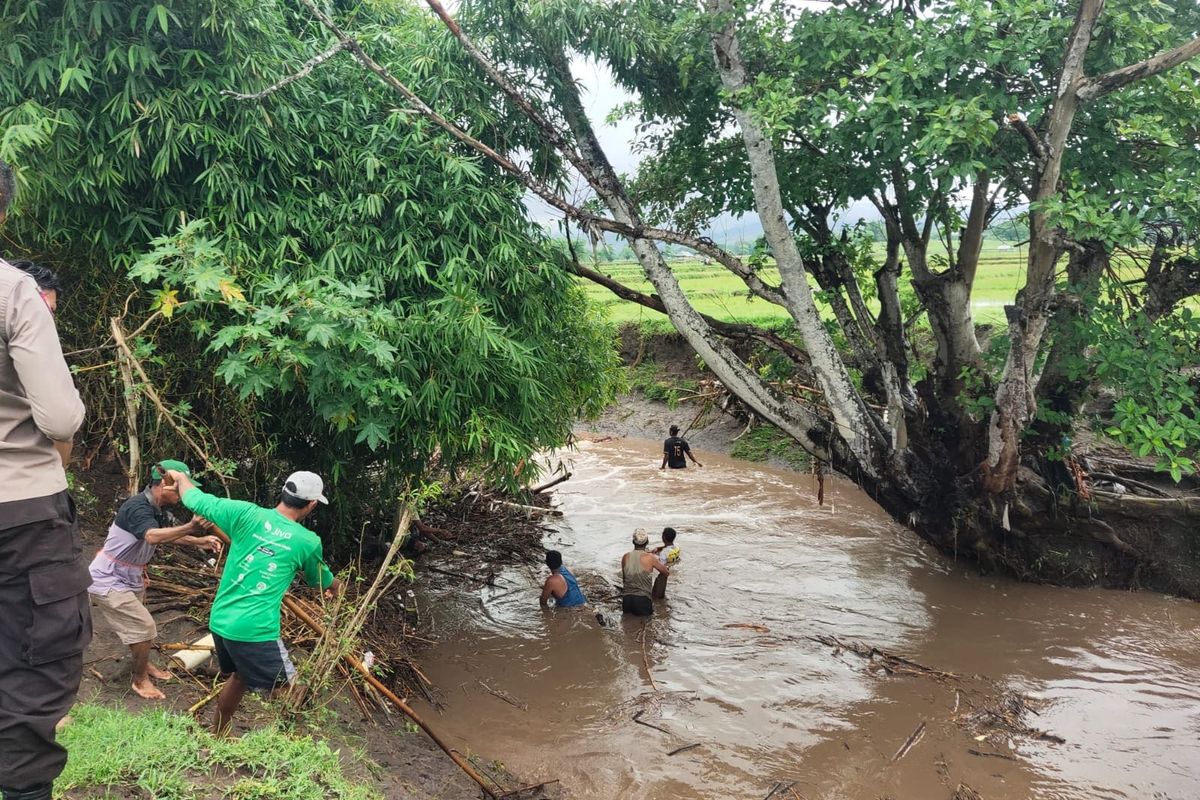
column 45, row 624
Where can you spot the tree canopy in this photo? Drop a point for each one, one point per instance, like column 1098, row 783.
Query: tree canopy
column 374, row 294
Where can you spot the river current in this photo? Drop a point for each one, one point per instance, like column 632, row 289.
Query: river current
column 728, row 661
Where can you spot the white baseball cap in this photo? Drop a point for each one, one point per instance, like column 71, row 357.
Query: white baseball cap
column 640, row 537
column 306, row 486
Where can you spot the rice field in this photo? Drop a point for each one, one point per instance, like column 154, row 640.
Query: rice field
column 715, row 291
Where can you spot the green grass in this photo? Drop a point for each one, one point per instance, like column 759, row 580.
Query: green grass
column 715, row 291
column 763, row 441
column 169, row 757
column 646, row 379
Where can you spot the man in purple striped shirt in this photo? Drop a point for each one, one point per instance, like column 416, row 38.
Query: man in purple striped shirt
column 118, row 587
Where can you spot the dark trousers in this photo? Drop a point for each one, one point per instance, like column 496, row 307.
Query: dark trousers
column 636, row 604
column 45, row 625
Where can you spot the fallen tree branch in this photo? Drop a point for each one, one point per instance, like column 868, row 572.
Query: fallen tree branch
column 298, row 611
column 164, row 413
column 305, row 70
column 566, row 476
column 913, row 738
column 554, row 512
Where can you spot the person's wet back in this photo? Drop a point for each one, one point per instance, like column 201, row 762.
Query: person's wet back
column 637, row 573
column 561, row 585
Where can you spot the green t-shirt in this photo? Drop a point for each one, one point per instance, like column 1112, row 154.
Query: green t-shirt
column 266, row 551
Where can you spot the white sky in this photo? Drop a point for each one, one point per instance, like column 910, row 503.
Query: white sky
column 600, row 95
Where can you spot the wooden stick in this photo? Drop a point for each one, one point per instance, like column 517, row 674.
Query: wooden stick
column 198, row 705
column 645, row 661
column 299, row 613
column 452, row 574
column 554, row 512
column 531, row 787
column 566, row 476
column 684, row 748
column 638, row 719
column 911, row 742
column 131, row 413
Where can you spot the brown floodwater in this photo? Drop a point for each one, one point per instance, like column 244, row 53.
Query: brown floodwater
column 1118, row 673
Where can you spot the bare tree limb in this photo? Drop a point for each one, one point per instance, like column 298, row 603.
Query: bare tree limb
column 549, row 131
column 305, row 70
column 1036, row 146
column 1100, row 85
column 587, row 219
column 727, row 329
column 595, row 177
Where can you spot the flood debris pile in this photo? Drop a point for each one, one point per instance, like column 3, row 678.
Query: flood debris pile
column 994, row 716
column 360, row 644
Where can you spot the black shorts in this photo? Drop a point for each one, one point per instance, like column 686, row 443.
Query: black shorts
column 637, row 604
column 262, row 666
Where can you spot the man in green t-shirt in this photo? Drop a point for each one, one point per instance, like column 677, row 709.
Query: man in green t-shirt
column 268, row 546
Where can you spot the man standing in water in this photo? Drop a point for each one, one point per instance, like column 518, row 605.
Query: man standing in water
column 268, row 546
column 668, row 554
column 561, row 585
column 45, row 622
column 637, row 573
column 676, row 451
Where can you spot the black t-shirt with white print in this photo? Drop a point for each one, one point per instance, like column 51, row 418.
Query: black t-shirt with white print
column 674, row 448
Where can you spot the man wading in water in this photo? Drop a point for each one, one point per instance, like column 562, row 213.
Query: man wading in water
column 676, row 451
column 637, row 573
column 561, row 585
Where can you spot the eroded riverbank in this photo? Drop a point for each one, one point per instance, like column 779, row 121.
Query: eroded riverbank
column 554, row 695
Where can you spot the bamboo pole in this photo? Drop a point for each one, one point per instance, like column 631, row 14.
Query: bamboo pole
column 539, row 489
column 301, row 614
column 131, row 412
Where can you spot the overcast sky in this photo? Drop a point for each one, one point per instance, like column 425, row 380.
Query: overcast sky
column 600, row 95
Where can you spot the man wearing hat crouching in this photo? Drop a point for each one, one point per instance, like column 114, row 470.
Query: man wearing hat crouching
column 268, row 546
column 118, row 589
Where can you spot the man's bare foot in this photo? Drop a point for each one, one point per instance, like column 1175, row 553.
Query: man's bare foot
column 148, row 690
column 158, row 674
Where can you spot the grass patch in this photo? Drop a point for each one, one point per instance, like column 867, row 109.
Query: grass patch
column 763, row 441
column 170, row 757
column 645, row 379
column 714, row 290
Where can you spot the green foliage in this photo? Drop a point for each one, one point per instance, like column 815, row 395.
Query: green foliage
column 647, row 379
column 370, row 293
column 1153, row 366
column 762, row 442
column 172, row 758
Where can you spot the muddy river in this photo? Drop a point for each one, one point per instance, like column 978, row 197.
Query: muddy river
column 1116, row 675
